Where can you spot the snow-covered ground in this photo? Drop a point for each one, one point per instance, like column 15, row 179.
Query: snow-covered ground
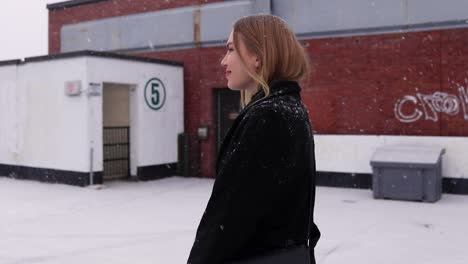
column 155, row 222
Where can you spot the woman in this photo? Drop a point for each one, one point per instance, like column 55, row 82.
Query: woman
column 263, row 197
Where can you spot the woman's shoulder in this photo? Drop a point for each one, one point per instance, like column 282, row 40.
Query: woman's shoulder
column 266, row 108
column 286, row 108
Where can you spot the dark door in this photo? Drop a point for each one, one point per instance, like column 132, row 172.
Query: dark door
column 227, row 108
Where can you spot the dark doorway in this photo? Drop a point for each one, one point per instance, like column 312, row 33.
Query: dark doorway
column 227, row 108
column 116, row 131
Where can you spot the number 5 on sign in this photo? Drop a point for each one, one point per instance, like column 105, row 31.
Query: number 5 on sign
column 155, row 94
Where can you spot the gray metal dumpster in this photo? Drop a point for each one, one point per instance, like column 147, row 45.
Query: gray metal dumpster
column 407, row 173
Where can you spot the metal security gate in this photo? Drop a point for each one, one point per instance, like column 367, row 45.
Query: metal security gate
column 116, row 152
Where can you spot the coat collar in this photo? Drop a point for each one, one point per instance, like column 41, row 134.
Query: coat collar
column 277, row 88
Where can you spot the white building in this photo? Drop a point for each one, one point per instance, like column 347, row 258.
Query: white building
column 84, row 117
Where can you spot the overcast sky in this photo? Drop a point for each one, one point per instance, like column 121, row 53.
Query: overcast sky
column 24, row 28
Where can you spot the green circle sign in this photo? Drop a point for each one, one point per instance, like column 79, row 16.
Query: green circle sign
column 155, row 94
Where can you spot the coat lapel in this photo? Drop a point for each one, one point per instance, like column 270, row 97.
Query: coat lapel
column 278, row 88
column 236, row 122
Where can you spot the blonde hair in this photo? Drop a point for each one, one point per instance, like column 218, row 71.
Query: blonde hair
column 281, row 55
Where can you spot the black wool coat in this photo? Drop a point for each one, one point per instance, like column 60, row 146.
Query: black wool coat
column 260, row 200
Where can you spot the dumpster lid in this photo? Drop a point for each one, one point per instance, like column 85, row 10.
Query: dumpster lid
column 415, row 154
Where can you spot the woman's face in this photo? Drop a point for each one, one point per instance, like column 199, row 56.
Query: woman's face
column 236, row 73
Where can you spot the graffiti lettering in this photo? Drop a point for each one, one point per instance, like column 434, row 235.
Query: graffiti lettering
column 464, row 101
column 407, row 118
column 432, row 105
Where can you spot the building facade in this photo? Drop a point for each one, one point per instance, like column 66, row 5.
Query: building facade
column 382, row 71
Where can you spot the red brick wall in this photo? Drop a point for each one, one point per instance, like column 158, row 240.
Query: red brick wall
column 106, row 9
column 356, row 81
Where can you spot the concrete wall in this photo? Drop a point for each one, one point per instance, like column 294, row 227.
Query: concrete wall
column 44, row 126
column 182, row 27
column 9, row 112
column 352, row 153
column 147, row 30
column 65, row 15
column 318, row 18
